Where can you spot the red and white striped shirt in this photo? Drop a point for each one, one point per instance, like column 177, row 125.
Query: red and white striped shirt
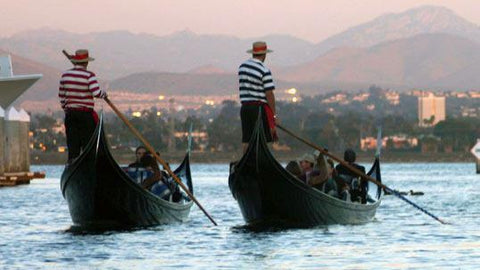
column 78, row 87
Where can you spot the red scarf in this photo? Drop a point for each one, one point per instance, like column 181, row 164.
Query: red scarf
column 271, row 121
column 95, row 117
column 270, row 117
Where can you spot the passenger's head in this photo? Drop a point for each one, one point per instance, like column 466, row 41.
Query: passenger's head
column 349, row 156
column 148, row 162
column 294, row 168
column 140, row 152
column 306, row 162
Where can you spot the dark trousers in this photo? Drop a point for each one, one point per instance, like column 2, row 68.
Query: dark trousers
column 79, row 127
column 249, row 116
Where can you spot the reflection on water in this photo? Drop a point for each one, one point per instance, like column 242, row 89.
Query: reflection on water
column 87, row 230
column 36, row 230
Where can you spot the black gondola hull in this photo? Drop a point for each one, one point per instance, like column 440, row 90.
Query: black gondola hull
column 99, row 193
column 267, row 193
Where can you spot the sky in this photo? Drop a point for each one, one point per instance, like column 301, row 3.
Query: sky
column 312, row 20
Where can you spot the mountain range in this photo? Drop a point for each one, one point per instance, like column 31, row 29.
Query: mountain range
column 425, row 47
column 416, row 21
column 423, row 61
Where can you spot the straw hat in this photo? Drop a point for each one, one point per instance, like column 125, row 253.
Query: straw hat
column 81, row 56
column 259, row 47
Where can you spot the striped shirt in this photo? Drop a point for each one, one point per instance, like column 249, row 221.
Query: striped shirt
column 254, row 79
column 78, row 87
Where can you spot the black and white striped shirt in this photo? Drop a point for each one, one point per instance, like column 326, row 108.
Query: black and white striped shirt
column 254, row 79
column 78, row 87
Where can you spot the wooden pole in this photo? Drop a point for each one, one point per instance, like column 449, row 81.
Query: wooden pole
column 478, row 165
column 360, row 173
column 476, row 153
column 157, row 157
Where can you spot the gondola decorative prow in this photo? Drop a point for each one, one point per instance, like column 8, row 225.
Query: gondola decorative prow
column 379, row 142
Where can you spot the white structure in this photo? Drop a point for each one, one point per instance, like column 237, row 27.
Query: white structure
column 12, row 86
column 2, row 142
column 12, row 140
column 15, row 142
column 24, row 140
column 14, row 125
column 476, row 152
column 431, row 109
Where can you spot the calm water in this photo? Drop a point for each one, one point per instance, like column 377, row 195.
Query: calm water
column 35, row 222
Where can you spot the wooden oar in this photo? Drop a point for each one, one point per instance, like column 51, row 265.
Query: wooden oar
column 66, row 54
column 157, row 157
column 360, row 173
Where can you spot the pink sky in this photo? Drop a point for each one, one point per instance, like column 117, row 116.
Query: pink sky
column 312, row 20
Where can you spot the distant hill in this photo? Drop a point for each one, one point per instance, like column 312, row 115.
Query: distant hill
column 428, row 60
column 176, row 83
column 426, row 47
column 421, row 20
column 208, row 69
column 195, row 84
column 425, row 61
column 121, row 53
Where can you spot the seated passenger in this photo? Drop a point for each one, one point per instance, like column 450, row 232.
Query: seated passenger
column 357, row 185
column 324, row 181
column 330, row 186
column 307, row 162
column 177, row 195
column 150, row 164
column 157, row 182
column 161, row 189
column 138, row 174
column 344, row 193
column 294, row 168
column 139, row 153
column 135, row 170
column 160, row 183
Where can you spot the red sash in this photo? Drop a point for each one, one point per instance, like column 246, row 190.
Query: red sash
column 95, row 117
column 270, row 117
column 93, row 112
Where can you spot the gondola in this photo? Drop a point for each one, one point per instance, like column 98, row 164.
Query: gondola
column 100, row 193
column 269, row 194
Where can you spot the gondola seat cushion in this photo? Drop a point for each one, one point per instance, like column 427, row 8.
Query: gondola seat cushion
column 138, row 175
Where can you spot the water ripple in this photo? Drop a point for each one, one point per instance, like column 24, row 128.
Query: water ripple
column 36, row 230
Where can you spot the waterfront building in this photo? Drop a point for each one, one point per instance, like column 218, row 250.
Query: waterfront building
column 431, row 109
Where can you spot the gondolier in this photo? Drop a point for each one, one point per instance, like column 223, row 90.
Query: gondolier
column 256, row 92
column 78, row 87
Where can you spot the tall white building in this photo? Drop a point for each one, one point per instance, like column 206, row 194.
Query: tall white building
column 431, row 109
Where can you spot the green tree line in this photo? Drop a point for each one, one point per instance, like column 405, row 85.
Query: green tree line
column 333, row 130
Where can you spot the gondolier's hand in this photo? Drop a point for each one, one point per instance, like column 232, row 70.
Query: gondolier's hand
column 105, row 95
column 276, row 119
